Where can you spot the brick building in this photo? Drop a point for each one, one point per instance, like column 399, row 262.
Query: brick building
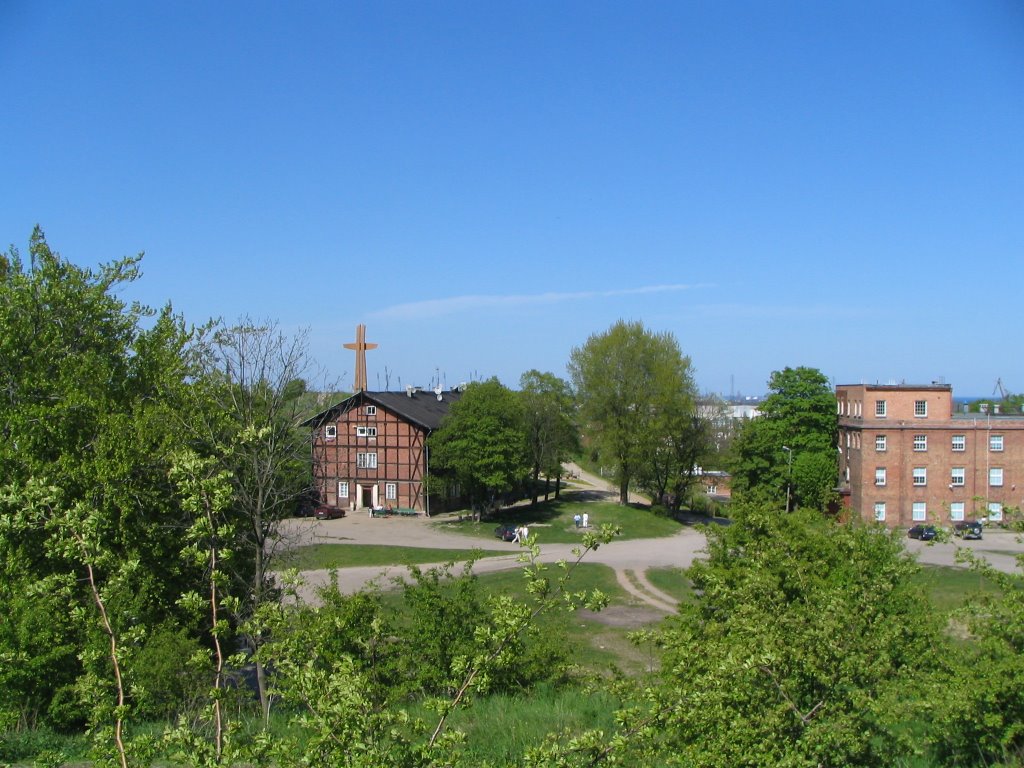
column 906, row 456
column 369, row 450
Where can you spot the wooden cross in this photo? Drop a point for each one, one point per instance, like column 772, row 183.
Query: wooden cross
column 360, row 346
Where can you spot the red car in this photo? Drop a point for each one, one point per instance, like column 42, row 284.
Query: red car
column 323, row 512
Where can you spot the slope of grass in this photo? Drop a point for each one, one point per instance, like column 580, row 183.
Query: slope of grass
column 327, row 556
column 553, row 521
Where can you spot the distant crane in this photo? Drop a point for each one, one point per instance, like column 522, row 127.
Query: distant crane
column 1000, row 389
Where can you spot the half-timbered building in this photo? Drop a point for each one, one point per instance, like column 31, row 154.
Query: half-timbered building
column 370, row 450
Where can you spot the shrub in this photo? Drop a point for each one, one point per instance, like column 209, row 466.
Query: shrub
column 167, row 672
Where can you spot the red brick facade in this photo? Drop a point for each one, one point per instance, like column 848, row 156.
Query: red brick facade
column 905, row 456
column 370, row 450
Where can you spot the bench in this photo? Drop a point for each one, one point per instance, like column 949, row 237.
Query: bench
column 393, row 512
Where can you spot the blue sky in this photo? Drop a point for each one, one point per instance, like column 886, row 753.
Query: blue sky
column 485, row 185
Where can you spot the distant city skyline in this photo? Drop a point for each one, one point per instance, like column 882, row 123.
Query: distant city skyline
column 484, row 186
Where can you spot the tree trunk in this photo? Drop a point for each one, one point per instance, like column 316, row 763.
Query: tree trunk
column 261, row 684
column 533, row 487
column 558, row 485
column 624, row 491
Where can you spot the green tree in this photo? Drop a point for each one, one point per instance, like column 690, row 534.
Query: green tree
column 673, row 459
column 89, row 402
column 979, row 703
column 803, row 648
column 551, row 432
column 635, row 390
column 246, row 413
column 789, row 451
column 481, row 443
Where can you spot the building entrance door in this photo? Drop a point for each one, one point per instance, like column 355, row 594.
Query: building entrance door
column 368, row 495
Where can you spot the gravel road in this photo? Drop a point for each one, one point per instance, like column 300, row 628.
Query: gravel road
column 630, row 559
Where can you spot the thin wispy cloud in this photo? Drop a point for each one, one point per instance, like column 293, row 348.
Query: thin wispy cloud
column 768, row 311
column 456, row 304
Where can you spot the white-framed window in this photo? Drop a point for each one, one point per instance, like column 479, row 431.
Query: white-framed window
column 390, row 491
column 920, row 476
column 371, row 410
column 956, row 511
column 343, row 489
column 713, row 488
column 920, row 408
column 366, row 431
column 879, row 475
column 880, row 443
column 331, row 431
column 880, row 511
column 880, row 409
column 920, row 442
column 957, row 476
column 995, row 476
column 366, row 460
column 919, row 511
column 849, row 439
column 959, row 442
column 995, row 511
column 995, row 442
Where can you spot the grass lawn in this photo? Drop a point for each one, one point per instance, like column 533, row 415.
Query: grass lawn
column 672, row 581
column 553, row 521
column 950, row 588
column 499, row 728
column 327, row 556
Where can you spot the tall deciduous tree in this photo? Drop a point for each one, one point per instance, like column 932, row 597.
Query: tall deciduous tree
column 673, row 459
column 481, row 443
column 247, row 413
column 551, row 432
column 88, row 407
column 791, row 446
column 635, row 389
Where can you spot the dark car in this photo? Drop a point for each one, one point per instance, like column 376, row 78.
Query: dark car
column 967, row 529
column 922, row 532
column 505, row 532
column 323, row 512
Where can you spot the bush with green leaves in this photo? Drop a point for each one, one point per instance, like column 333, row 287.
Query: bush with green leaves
column 979, row 703
column 168, row 680
column 804, row 646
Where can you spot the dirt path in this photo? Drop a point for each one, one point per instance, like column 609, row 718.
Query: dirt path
column 629, row 559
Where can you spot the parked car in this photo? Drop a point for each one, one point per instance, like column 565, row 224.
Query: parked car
column 922, row 532
column 505, row 532
column 967, row 529
column 323, row 512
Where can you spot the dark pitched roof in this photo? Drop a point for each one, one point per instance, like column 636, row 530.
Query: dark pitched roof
column 421, row 407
